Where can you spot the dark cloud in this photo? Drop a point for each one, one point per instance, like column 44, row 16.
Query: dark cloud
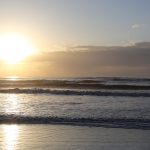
column 137, row 55
column 98, row 60
column 86, row 61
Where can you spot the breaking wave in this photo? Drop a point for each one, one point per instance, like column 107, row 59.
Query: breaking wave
column 95, row 122
column 89, row 83
column 76, row 92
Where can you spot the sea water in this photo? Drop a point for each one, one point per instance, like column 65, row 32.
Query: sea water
column 81, row 103
column 110, row 102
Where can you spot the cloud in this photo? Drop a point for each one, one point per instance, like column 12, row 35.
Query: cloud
column 135, row 55
column 136, row 26
column 97, row 61
column 86, row 60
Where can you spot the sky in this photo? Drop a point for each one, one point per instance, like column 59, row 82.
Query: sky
column 58, row 27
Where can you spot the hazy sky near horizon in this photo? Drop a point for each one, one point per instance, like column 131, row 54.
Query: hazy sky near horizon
column 114, row 33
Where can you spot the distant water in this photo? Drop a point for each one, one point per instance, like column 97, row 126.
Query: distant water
column 107, row 102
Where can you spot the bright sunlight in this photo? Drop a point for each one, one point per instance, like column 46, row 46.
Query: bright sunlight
column 10, row 135
column 14, row 48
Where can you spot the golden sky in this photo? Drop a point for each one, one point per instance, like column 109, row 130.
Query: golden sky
column 61, row 38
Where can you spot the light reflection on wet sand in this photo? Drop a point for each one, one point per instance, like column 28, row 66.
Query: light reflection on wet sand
column 60, row 137
column 10, row 136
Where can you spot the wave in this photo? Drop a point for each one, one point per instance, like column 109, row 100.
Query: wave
column 92, row 122
column 89, row 83
column 76, row 92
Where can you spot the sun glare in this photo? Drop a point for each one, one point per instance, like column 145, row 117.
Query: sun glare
column 10, row 135
column 14, row 48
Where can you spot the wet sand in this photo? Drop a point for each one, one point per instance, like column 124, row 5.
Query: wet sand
column 62, row 137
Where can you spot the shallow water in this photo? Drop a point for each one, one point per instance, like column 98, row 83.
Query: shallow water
column 104, row 111
column 74, row 106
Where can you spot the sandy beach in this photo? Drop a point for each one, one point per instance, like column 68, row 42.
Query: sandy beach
column 61, row 137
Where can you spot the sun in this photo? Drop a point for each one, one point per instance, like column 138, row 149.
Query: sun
column 14, row 48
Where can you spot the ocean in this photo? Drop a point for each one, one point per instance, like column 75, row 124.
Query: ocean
column 96, row 104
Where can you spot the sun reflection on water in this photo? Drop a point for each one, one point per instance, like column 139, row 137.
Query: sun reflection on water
column 10, row 136
column 12, row 78
column 10, row 132
column 12, row 104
